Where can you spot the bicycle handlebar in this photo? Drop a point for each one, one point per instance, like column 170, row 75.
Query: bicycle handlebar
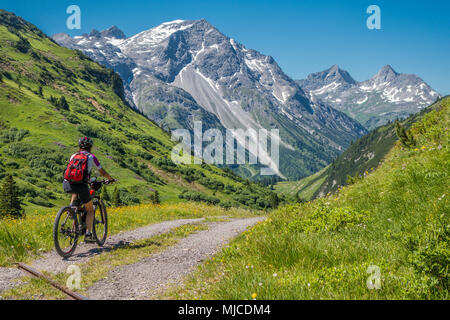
column 108, row 181
column 105, row 182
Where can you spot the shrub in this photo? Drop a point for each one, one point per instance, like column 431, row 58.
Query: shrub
column 22, row 45
column 60, row 103
column 406, row 139
column 13, row 135
column 73, row 119
column 128, row 198
column 46, row 163
column 326, row 218
column 13, row 165
column 88, row 131
column 144, row 155
column 352, row 180
column 116, row 201
column 199, row 197
column 105, row 195
column 432, row 258
column 273, row 200
column 111, row 141
column 40, row 202
column 154, row 197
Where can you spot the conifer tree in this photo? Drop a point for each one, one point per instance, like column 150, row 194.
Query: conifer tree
column 155, row 197
column 62, row 103
column 405, row 138
column 298, row 198
column 10, row 203
column 116, row 201
column 105, row 195
column 273, row 200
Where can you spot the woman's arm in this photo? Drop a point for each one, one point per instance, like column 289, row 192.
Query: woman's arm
column 100, row 168
column 105, row 174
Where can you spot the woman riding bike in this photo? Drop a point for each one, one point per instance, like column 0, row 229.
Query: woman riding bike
column 76, row 180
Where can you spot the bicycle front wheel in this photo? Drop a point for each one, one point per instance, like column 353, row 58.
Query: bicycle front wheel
column 65, row 232
column 100, row 227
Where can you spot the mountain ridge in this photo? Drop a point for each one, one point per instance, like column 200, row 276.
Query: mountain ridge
column 240, row 87
column 386, row 96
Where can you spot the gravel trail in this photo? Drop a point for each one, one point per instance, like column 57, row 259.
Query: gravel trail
column 153, row 274
column 53, row 263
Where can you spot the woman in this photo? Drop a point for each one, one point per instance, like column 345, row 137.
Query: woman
column 76, row 179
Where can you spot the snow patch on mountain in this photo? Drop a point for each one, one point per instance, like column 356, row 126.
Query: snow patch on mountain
column 386, row 96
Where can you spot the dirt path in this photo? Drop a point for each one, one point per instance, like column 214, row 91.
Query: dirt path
column 53, row 263
column 153, row 274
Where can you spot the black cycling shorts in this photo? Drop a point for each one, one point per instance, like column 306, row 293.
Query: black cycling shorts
column 82, row 189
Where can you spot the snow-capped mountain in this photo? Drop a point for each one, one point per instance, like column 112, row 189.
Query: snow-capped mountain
column 169, row 106
column 387, row 96
column 185, row 70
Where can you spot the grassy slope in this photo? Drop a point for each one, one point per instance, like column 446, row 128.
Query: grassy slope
column 304, row 188
column 365, row 154
column 125, row 139
column 396, row 218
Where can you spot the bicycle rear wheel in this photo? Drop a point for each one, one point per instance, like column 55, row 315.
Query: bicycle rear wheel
column 100, row 226
column 65, row 235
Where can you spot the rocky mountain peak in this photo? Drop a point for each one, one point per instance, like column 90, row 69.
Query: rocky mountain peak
column 113, row 32
column 95, row 33
column 337, row 74
column 386, row 74
column 330, row 79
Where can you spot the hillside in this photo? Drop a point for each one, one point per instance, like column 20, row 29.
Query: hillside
column 50, row 96
column 303, row 189
column 385, row 237
column 363, row 156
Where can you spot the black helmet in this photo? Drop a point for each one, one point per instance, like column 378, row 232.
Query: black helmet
column 85, row 143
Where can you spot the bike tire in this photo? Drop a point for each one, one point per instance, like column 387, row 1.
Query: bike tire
column 100, row 217
column 56, row 231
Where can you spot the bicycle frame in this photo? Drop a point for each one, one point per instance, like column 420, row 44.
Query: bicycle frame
column 76, row 214
column 79, row 209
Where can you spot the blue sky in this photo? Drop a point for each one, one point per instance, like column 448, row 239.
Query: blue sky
column 302, row 36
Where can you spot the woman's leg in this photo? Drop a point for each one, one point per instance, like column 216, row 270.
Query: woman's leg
column 89, row 215
column 74, row 198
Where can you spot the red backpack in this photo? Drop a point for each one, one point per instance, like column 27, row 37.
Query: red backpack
column 76, row 171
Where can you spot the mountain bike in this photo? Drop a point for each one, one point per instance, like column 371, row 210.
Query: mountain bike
column 70, row 222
